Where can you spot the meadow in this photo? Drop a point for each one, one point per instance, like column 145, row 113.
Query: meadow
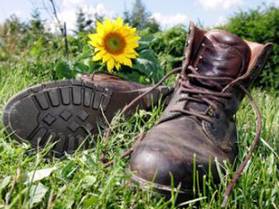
column 32, row 179
column 81, row 181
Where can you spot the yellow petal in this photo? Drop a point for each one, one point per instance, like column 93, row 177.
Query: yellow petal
column 93, row 36
column 110, row 65
column 117, row 65
column 95, row 43
column 106, row 57
column 114, row 59
column 98, row 56
column 119, row 21
column 127, row 61
column 131, row 56
column 108, row 26
column 99, row 27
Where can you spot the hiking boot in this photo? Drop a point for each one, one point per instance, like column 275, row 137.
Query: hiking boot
column 66, row 112
column 198, row 125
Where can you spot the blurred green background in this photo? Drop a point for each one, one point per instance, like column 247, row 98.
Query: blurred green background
column 28, row 45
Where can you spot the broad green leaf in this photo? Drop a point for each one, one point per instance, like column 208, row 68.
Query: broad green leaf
column 38, row 175
column 37, row 193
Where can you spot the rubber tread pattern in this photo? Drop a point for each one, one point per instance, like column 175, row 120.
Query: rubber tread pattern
column 66, row 112
column 63, row 113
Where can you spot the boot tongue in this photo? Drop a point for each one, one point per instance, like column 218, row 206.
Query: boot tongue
column 222, row 54
column 212, row 54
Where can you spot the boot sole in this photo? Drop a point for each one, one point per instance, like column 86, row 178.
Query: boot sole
column 158, row 187
column 64, row 113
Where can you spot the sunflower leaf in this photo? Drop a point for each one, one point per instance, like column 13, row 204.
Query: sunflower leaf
column 148, row 64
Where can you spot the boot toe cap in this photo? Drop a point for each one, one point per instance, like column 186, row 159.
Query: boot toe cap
column 154, row 165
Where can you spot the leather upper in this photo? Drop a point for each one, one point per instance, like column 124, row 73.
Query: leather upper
column 129, row 89
column 112, row 81
column 222, row 54
column 181, row 136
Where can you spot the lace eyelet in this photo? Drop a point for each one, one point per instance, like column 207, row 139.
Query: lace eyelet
column 212, row 127
column 211, row 113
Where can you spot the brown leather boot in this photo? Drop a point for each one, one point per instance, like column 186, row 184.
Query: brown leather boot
column 198, row 124
column 66, row 112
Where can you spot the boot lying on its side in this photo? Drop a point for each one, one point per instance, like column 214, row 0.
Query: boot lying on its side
column 67, row 111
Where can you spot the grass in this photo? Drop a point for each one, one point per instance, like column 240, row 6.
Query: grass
column 80, row 180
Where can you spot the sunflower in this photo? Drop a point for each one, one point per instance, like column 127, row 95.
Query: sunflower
column 115, row 43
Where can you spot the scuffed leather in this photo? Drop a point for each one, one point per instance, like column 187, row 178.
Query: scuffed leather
column 112, row 81
column 170, row 147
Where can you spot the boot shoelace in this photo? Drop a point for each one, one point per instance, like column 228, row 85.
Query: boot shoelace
column 202, row 95
column 215, row 96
